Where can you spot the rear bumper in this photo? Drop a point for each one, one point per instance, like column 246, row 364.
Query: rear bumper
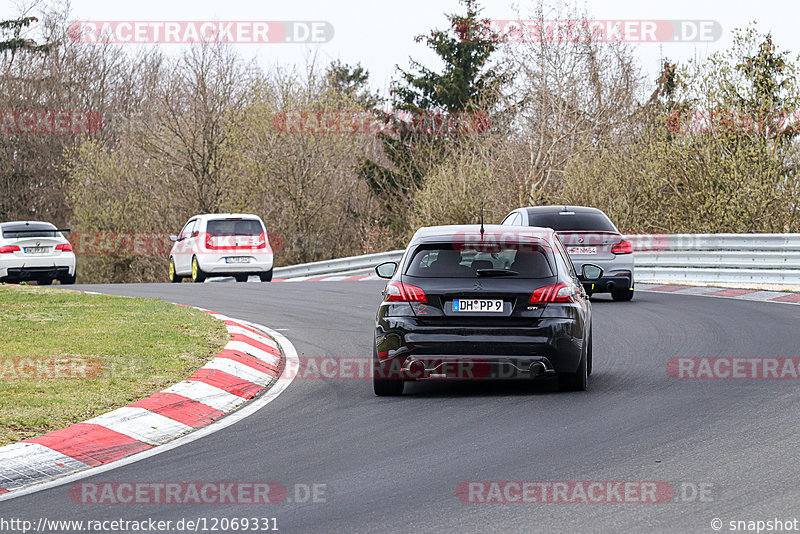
column 34, row 273
column 216, row 264
column 608, row 284
column 38, row 268
column 466, row 368
column 617, row 273
column 477, row 352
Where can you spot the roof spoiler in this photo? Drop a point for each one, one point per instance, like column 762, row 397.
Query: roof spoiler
column 10, row 231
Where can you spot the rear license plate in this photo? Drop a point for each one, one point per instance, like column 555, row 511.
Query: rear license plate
column 582, row 250
column 36, row 250
column 237, row 260
column 477, row 305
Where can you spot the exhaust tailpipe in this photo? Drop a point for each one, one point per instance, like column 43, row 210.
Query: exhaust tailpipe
column 416, row 369
column 537, row 369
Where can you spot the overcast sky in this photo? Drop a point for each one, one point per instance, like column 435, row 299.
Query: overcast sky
column 380, row 34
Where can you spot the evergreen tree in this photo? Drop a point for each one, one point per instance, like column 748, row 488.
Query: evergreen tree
column 12, row 40
column 352, row 82
column 465, row 84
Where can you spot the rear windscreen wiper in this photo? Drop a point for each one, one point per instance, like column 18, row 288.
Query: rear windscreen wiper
column 497, row 272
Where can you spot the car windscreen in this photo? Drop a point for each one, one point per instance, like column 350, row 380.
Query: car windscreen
column 221, row 227
column 457, row 260
column 569, row 220
column 17, row 231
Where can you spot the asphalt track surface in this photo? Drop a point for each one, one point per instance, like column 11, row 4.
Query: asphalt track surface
column 393, row 464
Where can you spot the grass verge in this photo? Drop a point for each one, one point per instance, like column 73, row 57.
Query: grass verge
column 67, row 356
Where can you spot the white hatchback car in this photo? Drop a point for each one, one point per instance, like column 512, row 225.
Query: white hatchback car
column 35, row 251
column 223, row 244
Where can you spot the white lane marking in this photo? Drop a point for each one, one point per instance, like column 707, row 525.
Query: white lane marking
column 243, row 331
column 141, row 424
column 245, row 372
column 280, row 385
column 22, row 463
column 217, row 398
column 247, row 348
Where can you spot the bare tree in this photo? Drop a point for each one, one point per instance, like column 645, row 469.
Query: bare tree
column 569, row 95
column 196, row 102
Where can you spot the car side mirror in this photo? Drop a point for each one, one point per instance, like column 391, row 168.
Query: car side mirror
column 173, row 238
column 386, row 270
column 591, row 271
column 195, row 233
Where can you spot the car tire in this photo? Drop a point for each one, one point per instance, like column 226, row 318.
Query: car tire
column 576, row 381
column 387, row 387
column 44, row 282
column 266, row 277
column 589, row 355
column 173, row 277
column 67, row 280
column 384, row 387
column 622, row 295
column 198, row 276
column 242, row 277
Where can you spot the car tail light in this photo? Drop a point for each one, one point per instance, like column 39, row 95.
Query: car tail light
column 64, row 247
column 7, row 249
column 400, row 292
column 623, row 247
column 262, row 241
column 208, row 241
column 553, row 293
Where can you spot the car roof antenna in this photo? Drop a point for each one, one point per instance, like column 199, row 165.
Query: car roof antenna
column 482, row 229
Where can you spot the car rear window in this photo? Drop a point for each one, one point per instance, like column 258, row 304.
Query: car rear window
column 16, row 231
column 220, row 227
column 570, row 220
column 449, row 260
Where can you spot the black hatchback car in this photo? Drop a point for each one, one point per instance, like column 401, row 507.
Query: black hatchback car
column 474, row 302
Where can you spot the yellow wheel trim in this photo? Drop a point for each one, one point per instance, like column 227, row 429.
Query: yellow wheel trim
column 171, row 270
column 194, row 268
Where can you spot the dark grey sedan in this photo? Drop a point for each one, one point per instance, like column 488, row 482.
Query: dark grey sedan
column 590, row 237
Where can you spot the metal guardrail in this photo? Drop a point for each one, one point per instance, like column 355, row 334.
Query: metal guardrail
column 754, row 258
column 350, row 266
column 727, row 258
